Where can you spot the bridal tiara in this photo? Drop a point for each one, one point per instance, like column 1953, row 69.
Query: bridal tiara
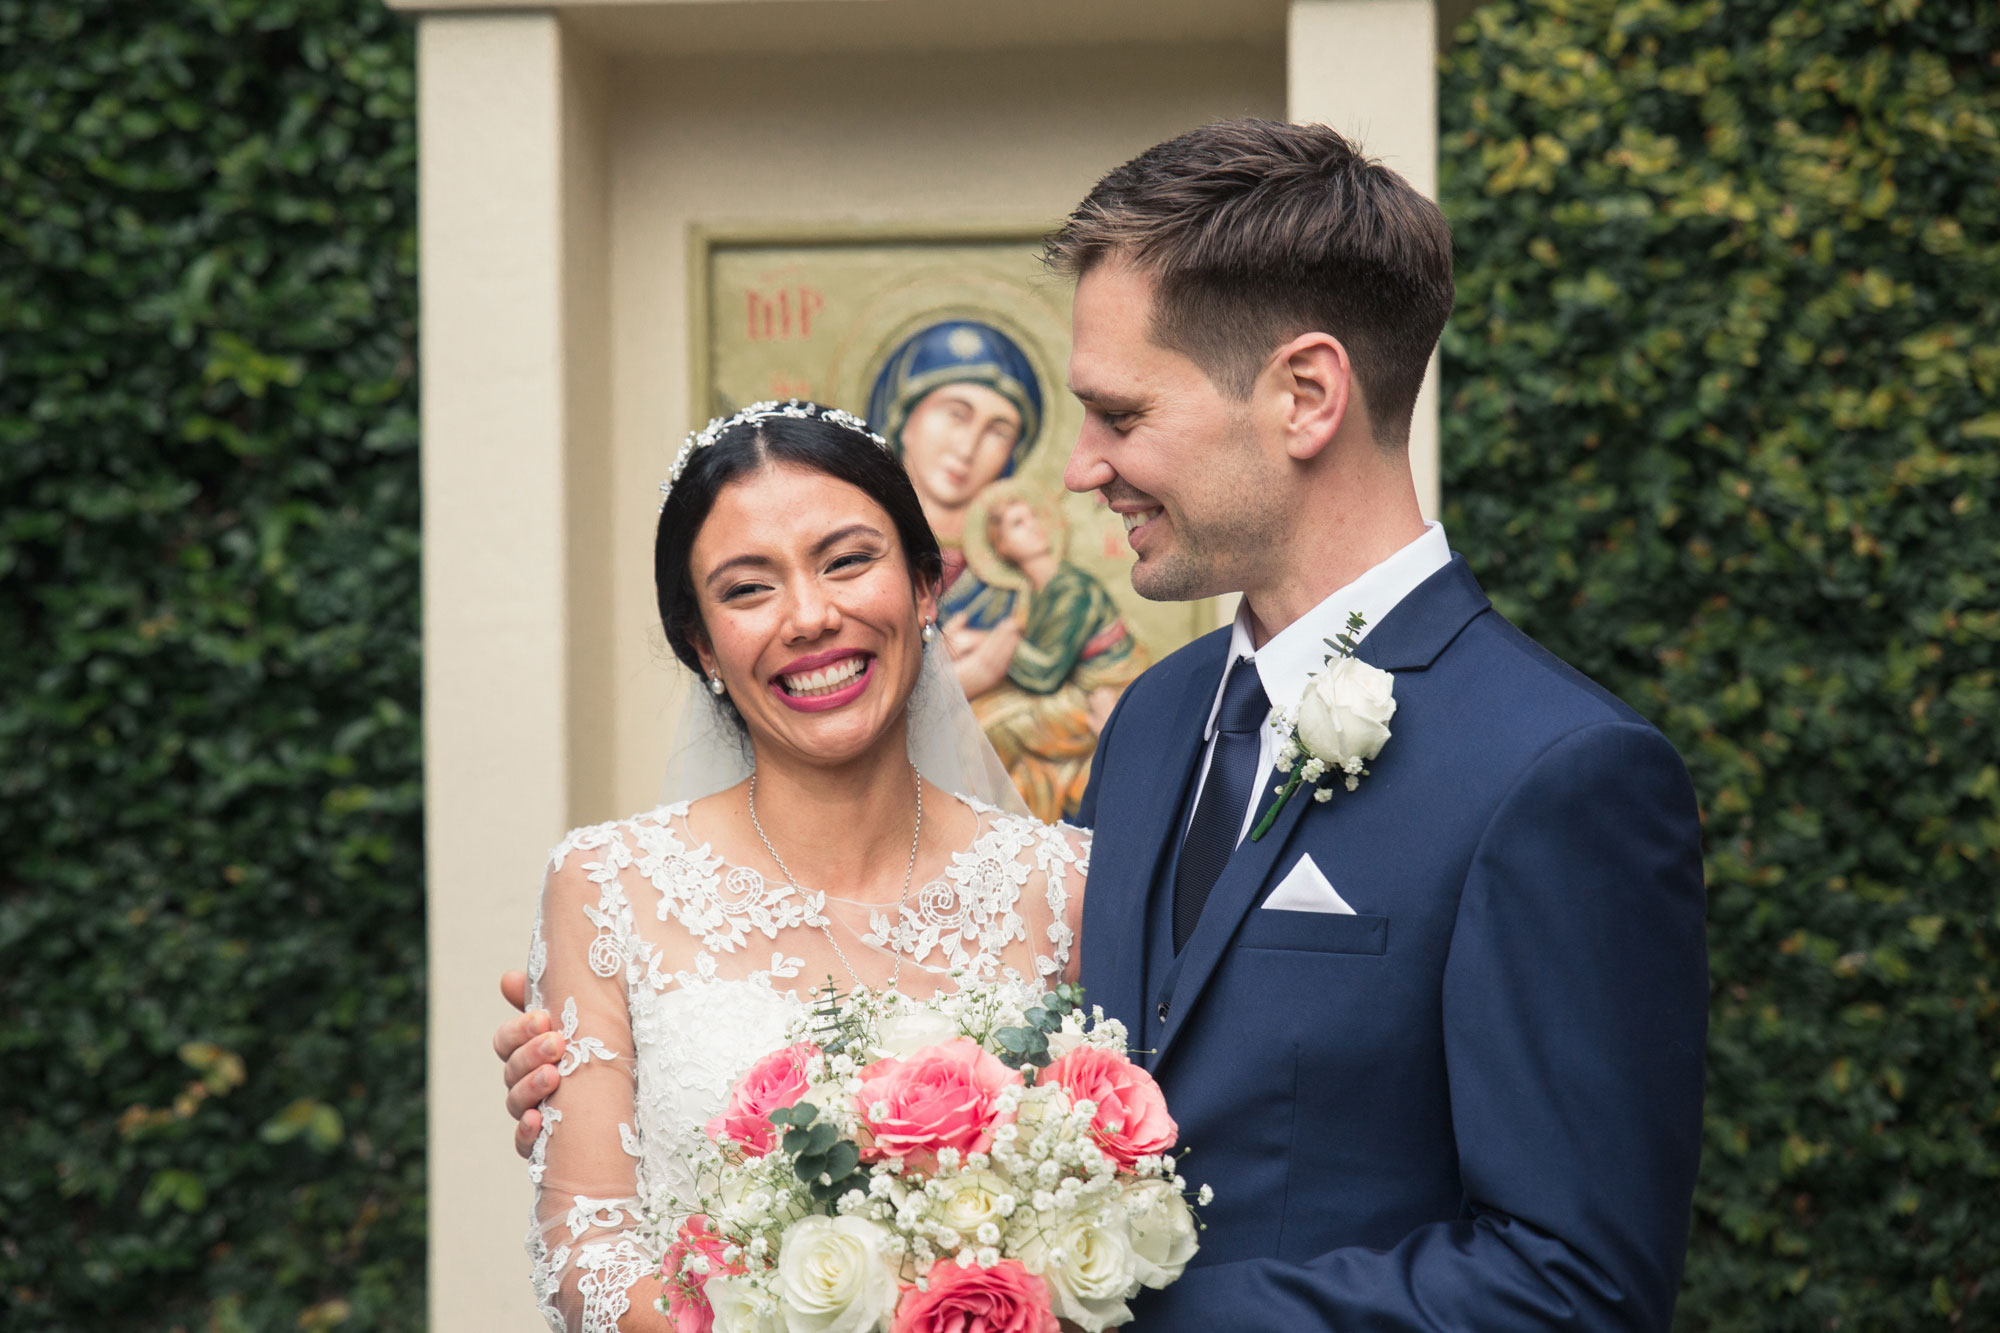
column 752, row 415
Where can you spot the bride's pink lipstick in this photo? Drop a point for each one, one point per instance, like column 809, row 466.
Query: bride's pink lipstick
column 820, row 703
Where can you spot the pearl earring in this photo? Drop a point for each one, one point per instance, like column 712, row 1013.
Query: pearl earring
column 715, row 685
column 930, row 630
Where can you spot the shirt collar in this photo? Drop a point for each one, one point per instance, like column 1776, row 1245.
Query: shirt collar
column 1294, row 653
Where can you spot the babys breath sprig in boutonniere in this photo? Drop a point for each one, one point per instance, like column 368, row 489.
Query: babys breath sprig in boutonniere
column 1341, row 723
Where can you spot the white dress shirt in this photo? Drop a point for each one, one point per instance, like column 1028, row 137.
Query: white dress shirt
column 1296, row 652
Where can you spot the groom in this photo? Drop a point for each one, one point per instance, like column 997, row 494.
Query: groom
column 1437, row 1040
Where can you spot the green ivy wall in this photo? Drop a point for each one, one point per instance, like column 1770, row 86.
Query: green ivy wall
column 211, row 870
column 1721, row 408
column 1722, row 401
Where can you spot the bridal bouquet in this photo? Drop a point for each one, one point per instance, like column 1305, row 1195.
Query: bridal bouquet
column 977, row 1160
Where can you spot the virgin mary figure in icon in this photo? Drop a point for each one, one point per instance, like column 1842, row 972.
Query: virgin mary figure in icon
column 1036, row 642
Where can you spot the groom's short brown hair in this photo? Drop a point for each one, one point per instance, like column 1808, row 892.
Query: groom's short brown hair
column 1256, row 231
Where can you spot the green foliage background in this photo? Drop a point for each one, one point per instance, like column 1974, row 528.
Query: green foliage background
column 1722, row 401
column 211, row 875
column 1721, row 405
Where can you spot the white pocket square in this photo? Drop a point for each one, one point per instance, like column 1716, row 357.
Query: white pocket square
column 1304, row 889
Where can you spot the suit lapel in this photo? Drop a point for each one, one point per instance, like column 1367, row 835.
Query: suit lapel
column 1161, row 755
column 1410, row 638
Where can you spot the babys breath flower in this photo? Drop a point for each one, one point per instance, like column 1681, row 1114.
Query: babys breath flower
column 947, row 1159
column 1312, row 769
column 987, row 1256
column 977, row 1161
column 988, row 1234
column 1207, row 1195
column 1047, row 1174
column 1325, row 794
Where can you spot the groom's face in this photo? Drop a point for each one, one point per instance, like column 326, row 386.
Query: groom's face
column 1183, row 463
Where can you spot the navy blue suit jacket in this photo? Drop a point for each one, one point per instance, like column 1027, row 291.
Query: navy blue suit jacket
column 1474, row 1104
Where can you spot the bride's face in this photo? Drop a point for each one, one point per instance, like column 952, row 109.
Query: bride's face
column 810, row 614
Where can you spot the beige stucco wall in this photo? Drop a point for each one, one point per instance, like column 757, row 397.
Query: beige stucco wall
column 495, row 573
column 563, row 159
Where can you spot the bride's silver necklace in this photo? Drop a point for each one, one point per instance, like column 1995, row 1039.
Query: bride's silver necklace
column 908, row 870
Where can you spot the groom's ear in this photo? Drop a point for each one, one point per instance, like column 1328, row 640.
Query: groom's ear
column 1316, row 381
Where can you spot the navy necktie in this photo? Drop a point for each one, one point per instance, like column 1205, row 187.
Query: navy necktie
column 1233, row 771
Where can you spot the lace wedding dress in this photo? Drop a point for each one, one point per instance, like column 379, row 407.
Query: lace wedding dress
column 672, row 970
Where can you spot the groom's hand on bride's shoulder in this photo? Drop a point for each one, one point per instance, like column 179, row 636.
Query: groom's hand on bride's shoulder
column 529, row 1048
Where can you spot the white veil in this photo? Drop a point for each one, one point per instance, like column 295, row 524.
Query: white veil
column 708, row 752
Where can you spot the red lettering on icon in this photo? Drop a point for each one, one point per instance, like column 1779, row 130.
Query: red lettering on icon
column 784, row 315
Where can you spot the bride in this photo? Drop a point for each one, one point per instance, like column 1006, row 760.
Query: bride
column 825, row 823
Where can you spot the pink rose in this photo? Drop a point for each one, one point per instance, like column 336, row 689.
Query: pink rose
column 775, row 1082
column 937, row 1097
column 1005, row 1298
column 1132, row 1120
column 687, row 1302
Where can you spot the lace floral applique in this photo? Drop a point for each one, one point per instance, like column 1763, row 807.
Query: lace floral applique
column 1056, row 858
column 586, row 1213
column 720, row 909
column 578, row 1051
column 972, row 903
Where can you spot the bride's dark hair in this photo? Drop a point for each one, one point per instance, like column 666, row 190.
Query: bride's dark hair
column 840, row 452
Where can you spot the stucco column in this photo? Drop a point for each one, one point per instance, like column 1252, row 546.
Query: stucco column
column 1368, row 68
column 495, row 540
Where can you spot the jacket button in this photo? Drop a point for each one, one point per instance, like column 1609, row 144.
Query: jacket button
column 1162, row 1011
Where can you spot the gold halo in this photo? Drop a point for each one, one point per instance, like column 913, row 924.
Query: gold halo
column 992, row 568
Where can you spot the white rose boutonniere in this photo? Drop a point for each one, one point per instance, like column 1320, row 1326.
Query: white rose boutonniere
column 1341, row 723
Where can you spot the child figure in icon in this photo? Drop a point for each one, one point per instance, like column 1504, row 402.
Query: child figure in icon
column 1074, row 656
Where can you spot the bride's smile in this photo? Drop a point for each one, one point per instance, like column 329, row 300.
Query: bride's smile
column 825, row 680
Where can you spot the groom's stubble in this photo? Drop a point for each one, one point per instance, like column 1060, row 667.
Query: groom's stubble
column 1221, row 517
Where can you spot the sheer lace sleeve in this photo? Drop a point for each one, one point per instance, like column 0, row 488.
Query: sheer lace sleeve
column 1067, row 865
column 589, row 1239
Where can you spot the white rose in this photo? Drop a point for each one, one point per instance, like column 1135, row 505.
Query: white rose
column 735, row 1304
column 1346, row 710
column 1066, row 1038
column 970, row 1200
column 1097, row 1270
column 1163, row 1235
column 835, row 1275
column 902, row 1034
